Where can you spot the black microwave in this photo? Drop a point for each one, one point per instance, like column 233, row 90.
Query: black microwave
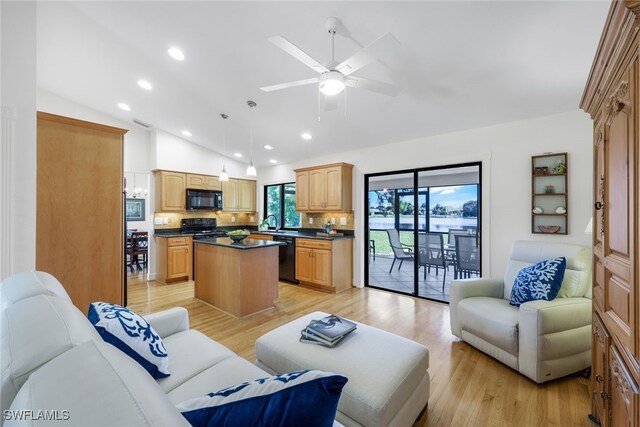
column 204, row 199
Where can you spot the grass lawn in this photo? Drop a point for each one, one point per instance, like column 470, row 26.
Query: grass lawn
column 382, row 241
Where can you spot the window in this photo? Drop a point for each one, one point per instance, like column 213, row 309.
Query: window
column 280, row 201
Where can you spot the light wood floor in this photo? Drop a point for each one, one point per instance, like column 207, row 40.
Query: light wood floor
column 468, row 388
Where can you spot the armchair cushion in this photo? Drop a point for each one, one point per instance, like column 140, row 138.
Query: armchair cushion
column 540, row 281
column 492, row 320
column 169, row 322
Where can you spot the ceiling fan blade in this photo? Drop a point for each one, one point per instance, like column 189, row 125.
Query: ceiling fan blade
column 297, row 53
column 290, row 84
column 385, row 44
column 373, row 86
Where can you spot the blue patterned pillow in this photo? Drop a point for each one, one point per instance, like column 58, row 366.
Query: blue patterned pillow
column 303, row 398
column 129, row 332
column 540, row 281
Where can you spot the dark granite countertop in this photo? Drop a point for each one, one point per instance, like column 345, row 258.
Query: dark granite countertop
column 245, row 244
column 174, row 234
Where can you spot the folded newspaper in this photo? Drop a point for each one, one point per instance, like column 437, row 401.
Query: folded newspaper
column 328, row 331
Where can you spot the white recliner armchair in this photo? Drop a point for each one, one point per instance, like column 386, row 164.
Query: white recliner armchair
column 542, row 340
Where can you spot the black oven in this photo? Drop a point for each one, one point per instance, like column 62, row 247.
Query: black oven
column 204, row 199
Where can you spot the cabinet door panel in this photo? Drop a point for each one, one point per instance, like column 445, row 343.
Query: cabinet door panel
column 302, row 191
column 624, row 392
column 212, row 183
column 246, row 196
column 599, row 376
column 178, row 261
column 230, row 195
column 317, row 189
column 616, row 190
column 334, row 188
column 173, row 191
column 322, row 267
column 304, row 264
column 195, row 181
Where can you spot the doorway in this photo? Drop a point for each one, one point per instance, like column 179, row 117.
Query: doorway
column 423, row 229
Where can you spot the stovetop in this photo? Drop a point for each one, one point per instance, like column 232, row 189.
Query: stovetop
column 200, row 227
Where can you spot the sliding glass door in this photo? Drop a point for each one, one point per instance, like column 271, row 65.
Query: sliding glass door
column 429, row 210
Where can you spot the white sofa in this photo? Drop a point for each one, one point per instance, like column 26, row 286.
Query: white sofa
column 53, row 359
column 542, row 340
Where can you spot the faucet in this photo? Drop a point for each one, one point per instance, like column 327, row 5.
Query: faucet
column 275, row 219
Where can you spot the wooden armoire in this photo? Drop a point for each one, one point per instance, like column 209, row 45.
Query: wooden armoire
column 612, row 98
column 80, row 208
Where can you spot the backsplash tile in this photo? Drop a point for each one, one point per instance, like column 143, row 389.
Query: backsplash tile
column 224, row 219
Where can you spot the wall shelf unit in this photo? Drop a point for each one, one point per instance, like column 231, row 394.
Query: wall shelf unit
column 549, row 192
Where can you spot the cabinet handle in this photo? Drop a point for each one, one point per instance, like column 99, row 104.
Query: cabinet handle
column 604, row 396
column 599, row 378
column 598, row 205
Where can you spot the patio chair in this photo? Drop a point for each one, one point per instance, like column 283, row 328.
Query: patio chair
column 453, row 232
column 400, row 250
column 467, row 256
column 431, row 254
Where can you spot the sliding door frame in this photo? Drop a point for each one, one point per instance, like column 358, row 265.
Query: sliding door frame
column 416, row 195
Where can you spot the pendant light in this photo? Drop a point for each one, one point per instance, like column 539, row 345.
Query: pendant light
column 251, row 170
column 223, row 175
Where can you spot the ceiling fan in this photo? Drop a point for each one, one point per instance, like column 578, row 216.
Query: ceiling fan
column 334, row 76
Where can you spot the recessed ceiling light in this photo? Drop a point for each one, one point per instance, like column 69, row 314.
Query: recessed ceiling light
column 238, row 155
column 306, row 136
column 268, row 147
column 144, row 84
column 176, row 54
column 274, row 161
column 124, row 106
column 186, row 133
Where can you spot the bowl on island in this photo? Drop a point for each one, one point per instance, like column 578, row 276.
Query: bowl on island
column 238, row 235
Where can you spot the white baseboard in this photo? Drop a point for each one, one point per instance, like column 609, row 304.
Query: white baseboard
column 151, row 276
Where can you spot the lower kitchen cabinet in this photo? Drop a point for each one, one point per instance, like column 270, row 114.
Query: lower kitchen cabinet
column 326, row 265
column 174, row 259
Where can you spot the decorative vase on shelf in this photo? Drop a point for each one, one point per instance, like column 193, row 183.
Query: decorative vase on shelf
column 537, row 210
column 561, row 210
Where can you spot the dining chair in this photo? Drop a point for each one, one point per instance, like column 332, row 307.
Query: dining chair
column 453, row 232
column 139, row 247
column 467, row 256
column 431, row 253
column 400, row 250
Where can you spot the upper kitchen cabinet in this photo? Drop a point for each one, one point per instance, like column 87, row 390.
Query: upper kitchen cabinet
column 239, row 195
column 324, row 188
column 203, row 182
column 170, row 191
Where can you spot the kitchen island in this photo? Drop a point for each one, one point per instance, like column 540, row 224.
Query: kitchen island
column 237, row 278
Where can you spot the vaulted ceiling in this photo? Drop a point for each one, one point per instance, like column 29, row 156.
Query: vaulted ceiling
column 461, row 65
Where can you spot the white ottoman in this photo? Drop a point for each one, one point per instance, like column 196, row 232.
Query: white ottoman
column 388, row 379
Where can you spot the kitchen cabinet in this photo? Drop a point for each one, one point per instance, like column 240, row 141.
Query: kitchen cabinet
column 239, row 195
column 170, row 191
column 174, row 259
column 324, row 264
column 79, row 208
column 258, row 236
column 611, row 97
column 203, row 182
column 324, row 188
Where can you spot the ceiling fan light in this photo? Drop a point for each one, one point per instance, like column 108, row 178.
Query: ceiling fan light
column 331, row 83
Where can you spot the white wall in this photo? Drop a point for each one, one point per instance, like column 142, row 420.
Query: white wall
column 18, row 162
column 505, row 152
column 174, row 153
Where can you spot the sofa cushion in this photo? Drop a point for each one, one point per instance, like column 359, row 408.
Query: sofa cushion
column 540, row 281
column 97, row 385
column 131, row 334
column 28, row 284
column 308, row 398
column 191, row 353
column 34, row 331
column 225, row 373
column 492, row 320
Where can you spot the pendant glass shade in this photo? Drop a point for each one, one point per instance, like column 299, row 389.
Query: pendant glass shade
column 251, row 170
column 223, row 175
